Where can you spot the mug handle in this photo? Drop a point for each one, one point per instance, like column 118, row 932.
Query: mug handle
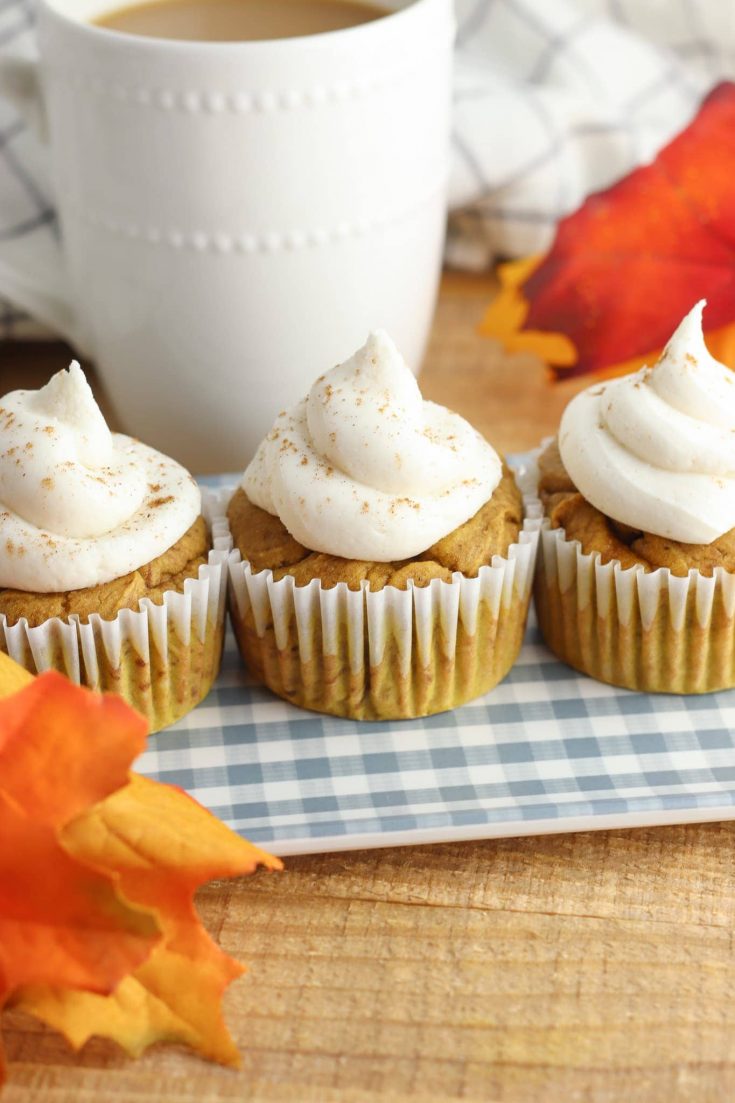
column 37, row 290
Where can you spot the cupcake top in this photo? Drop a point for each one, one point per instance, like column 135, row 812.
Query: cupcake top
column 79, row 505
column 364, row 468
column 655, row 450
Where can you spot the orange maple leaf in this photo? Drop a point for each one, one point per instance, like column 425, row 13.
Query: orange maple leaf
column 98, row 870
column 162, row 845
column 60, row 920
column 631, row 262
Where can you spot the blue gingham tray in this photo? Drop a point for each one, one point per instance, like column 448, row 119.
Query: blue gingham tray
column 547, row 750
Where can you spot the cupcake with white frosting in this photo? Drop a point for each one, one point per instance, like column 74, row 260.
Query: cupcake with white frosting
column 385, row 554
column 636, row 583
column 107, row 571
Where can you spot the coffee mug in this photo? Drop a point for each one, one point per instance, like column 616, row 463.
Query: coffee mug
column 236, row 217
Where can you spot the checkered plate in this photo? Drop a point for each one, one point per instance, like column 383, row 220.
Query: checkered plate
column 547, row 750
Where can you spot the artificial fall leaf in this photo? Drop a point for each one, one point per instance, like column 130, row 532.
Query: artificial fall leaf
column 162, row 845
column 61, row 921
column 98, row 870
column 631, row 262
column 63, row 749
column 58, row 917
column 12, row 676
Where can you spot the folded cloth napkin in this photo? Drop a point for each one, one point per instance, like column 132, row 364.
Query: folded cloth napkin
column 553, row 99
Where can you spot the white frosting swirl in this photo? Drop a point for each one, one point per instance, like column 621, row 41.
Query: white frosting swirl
column 365, row 469
column 656, row 449
column 80, row 505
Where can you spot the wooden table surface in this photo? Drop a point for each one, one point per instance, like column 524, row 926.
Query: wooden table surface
column 597, row 968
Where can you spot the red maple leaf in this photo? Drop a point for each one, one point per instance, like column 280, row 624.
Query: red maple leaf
column 631, row 262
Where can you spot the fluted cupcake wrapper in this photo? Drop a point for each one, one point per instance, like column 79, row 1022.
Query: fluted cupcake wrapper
column 162, row 659
column 390, row 653
column 643, row 630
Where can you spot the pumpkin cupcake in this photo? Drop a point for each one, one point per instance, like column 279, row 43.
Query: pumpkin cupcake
column 384, row 556
column 107, row 571
column 636, row 580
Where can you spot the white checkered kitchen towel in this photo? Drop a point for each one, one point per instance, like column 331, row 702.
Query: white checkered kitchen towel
column 553, row 99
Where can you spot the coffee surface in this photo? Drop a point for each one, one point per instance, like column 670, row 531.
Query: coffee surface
column 238, row 20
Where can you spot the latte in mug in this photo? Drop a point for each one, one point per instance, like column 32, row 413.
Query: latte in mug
column 238, row 20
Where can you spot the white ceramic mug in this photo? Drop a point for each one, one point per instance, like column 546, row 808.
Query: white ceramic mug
column 235, row 217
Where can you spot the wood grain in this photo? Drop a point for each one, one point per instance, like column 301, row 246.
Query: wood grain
column 596, row 968
column 508, row 398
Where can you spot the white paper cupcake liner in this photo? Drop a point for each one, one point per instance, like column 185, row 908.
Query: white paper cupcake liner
column 161, row 658
column 643, row 630
column 389, row 653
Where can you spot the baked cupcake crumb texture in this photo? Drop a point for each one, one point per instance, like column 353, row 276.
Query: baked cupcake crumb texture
column 567, row 509
column 265, row 543
column 107, row 572
column 636, row 578
column 166, row 573
column 386, row 560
